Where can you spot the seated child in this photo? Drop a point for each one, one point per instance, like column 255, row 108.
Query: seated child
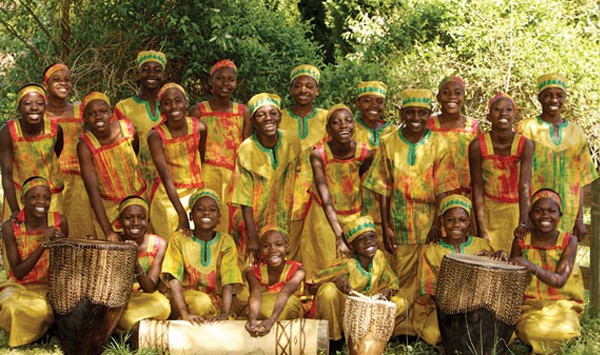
column 367, row 272
column 275, row 284
column 554, row 298
column 455, row 210
column 202, row 270
column 145, row 301
column 24, row 310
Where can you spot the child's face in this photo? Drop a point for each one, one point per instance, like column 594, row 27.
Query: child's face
column 32, row 107
column 174, row 105
column 365, row 244
column 205, row 214
column 552, row 100
column 59, row 84
column 303, row 90
column 415, row 119
column 151, row 75
column 224, row 81
column 266, row 120
column 451, row 97
column 274, row 248
column 371, row 107
column 545, row 215
column 97, row 116
column 502, row 114
column 456, row 223
column 37, row 200
column 341, row 126
column 134, row 220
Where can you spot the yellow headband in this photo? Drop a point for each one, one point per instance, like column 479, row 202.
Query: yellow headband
column 272, row 227
column 168, row 86
column 94, row 95
column 151, row 56
column 133, row 200
column 358, row 226
column 376, row 88
column 546, row 193
column 34, row 182
column 53, row 69
column 29, row 89
column 336, row 108
column 305, row 69
column 204, row 192
column 454, row 201
column 263, row 99
column 500, row 96
column 551, row 81
column 417, row 98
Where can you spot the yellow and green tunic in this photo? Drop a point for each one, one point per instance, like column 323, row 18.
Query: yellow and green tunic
column 224, row 134
column 561, row 161
column 35, row 156
column 550, row 315
column 501, row 190
column 330, row 301
column 183, row 160
column 144, row 305
column 76, row 203
column 317, row 241
column 203, row 268
column 117, row 171
column 458, row 141
column 425, row 319
column 25, row 313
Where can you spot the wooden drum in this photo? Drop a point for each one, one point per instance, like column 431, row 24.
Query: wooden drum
column 298, row 336
column 479, row 302
column 90, row 285
column 368, row 323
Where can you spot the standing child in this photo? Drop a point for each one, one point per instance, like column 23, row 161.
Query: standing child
column 500, row 162
column 76, row 204
column 177, row 146
column 275, row 284
column 202, row 270
column 30, row 146
column 24, row 310
column 561, row 158
column 146, row 302
column 107, row 154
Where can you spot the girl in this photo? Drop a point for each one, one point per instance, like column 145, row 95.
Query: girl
column 554, row 298
column 177, row 146
column 107, row 152
column 275, row 284
column 145, row 301
column 30, row 146
column 227, row 125
column 202, row 270
column 24, row 310
column 500, row 164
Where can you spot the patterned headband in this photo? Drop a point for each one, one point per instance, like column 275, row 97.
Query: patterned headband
column 223, row 63
column 134, row 200
column 546, row 193
column 201, row 193
column 263, row 99
column 151, row 56
column 454, row 201
column 34, row 182
column 53, row 69
column 305, row 70
column 358, row 226
column 336, row 108
column 500, row 96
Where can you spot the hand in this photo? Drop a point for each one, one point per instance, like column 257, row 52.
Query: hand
column 13, row 217
column 113, row 237
column 193, row 318
column 434, row 235
column 184, row 225
column 484, row 235
column 264, row 327
column 343, row 284
column 53, row 233
column 251, row 327
column 389, row 240
column 579, row 229
column 501, row 255
column 252, row 251
column 519, row 260
column 342, row 250
column 520, row 232
column 387, row 293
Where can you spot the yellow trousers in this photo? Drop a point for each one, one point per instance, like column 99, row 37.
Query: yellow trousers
column 24, row 312
column 163, row 216
column 406, row 266
column 199, row 303
column 77, row 208
column 292, row 310
column 144, row 305
column 425, row 320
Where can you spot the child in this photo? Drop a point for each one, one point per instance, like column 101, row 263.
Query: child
column 177, row 146
column 30, row 146
column 274, row 283
column 76, row 204
column 264, row 177
column 337, row 167
column 455, row 210
column 500, row 162
column 554, row 298
column 367, row 272
column 107, row 152
column 202, row 270
column 24, row 310
column 227, row 124
column 561, row 158
column 142, row 110
column 145, row 301
column 457, row 128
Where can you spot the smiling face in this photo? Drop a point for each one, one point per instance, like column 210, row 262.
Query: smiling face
column 365, row 244
column 32, row 107
column 452, row 97
column 37, row 201
column 371, row 107
column 223, row 82
column 304, row 89
column 151, row 75
column 97, row 116
column 552, row 100
column 59, row 84
column 205, row 214
column 456, row 223
column 545, row 215
column 502, row 114
column 341, row 126
column 174, row 105
column 415, row 119
column 134, row 221
column 274, row 248
column 266, row 120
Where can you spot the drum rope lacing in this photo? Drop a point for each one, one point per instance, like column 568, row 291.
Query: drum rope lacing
column 364, row 315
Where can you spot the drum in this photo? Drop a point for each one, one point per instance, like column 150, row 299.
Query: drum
column 298, row 336
column 478, row 301
column 368, row 323
column 90, row 285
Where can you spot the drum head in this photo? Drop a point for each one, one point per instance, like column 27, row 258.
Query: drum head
column 482, row 261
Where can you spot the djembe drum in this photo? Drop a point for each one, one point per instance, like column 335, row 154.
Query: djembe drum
column 90, row 285
column 479, row 302
column 298, row 336
column 368, row 323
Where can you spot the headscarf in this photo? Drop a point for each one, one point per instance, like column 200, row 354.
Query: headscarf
column 417, row 98
column 375, row 88
column 30, row 89
column 151, row 56
column 263, row 99
column 547, row 193
column 358, row 226
column 553, row 80
column 305, row 69
column 53, row 69
column 454, row 201
column 34, row 182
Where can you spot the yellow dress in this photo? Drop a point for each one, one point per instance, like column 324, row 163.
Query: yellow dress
column 550, row 315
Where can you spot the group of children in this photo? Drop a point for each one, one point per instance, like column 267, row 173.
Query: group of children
column 234, row 208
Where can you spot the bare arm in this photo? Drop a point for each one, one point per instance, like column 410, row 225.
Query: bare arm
column 182, row 309
column 286, row 292
column 477, row 187
column 389, row 235
column 20, row 268
column 254, row 301
column 227, row 299
column 6, row 165
column 252, row 247
column 58, row 146
column 524, row 189
column 247, row 124
column 149, row 281
column 195, row 111
column 202, row 131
